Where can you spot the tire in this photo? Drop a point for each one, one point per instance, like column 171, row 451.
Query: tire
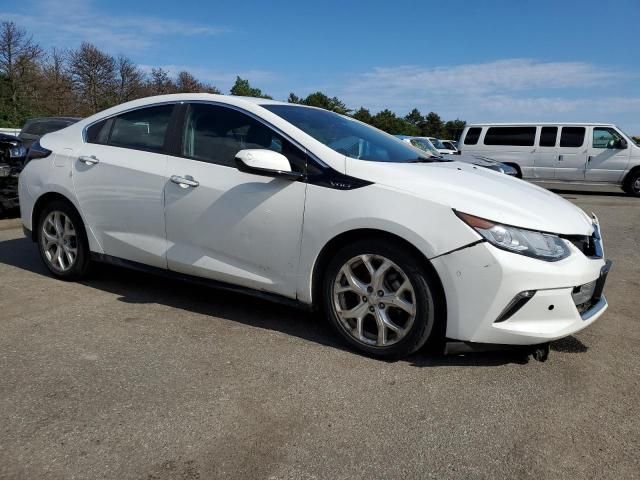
column 62, row 241
column 398, row 286
column 632, row 183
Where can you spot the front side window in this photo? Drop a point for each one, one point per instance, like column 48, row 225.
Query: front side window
column 511, row 136
column 142, row 129
column 605, row 137
column 473, row 135
column 215, row 134
column 572, row 136
column 347, row 136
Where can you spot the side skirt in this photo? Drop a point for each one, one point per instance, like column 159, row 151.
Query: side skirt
column 205, row 282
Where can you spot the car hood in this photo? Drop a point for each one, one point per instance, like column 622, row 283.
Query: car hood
column 480, row 192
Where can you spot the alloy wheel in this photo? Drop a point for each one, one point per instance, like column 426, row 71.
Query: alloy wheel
column 59, row 241
column 374, row 300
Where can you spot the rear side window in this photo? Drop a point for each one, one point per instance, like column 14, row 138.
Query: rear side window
column 548, row 136
column 142, row 129
column 572, row 136
column 216, row 134
column 473, row 135
column 99, row 132
column 512, row 136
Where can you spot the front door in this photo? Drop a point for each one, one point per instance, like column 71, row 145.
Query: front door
column 229, row 225
column 572, row 154
column 608, row 155
column 119, row 177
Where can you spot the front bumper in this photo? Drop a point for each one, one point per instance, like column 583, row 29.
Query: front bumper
column 481, row 281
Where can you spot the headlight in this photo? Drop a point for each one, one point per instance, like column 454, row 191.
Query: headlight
column 19, row 151
column 544, row 246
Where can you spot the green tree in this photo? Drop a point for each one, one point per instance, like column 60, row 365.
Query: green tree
column 363, row 115
column 414, row 117
column 432, row 126
column 293, row 98
column 319, row 99
column 389, row 122
column 242, row 88
column 453, row 129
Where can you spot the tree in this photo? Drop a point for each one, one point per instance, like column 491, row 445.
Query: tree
column 94, row 76
column 293, row 98
column 187, row 83
column 56, row 86
column 363, row 115
column 414, row 117
column 389, row 122
column 130, row 80
column 18, row 65
column 160, row 83
column 319, row 99
column 453, row 129
column 433, row 126
column 242, row 88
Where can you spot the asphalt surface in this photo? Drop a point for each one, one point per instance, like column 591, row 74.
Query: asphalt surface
column 127, row 376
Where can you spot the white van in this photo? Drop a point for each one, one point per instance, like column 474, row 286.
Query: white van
column 580, row 153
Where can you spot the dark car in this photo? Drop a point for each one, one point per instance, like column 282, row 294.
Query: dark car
column 35, row 128
column 12, row 156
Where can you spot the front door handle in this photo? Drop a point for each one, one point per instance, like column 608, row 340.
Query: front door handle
column 560, row 158
column 589, row 158
column 184, row 182
column 89, row 160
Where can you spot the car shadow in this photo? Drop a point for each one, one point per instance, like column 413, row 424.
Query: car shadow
column 143, row 288
column 590, row 193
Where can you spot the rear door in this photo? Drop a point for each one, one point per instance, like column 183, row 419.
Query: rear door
column 119, row 177
column 228, row 225
column 608, row 155
column 572, row 153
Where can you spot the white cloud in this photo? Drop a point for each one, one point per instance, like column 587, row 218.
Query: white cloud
column 503, row 90
column 74, row 21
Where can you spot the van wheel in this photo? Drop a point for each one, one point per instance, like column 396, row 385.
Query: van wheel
column 632, row 183
column 62, row 241
column 379, row 299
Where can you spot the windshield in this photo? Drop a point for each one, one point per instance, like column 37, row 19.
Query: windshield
column 426, row 145
column 347, row 136
column 437, row 143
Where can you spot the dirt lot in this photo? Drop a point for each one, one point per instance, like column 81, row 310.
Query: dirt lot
column 128, row 376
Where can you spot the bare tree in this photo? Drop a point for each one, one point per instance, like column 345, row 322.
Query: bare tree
column 94, row 76
column 130, row 80
column 56, row 86
column 160, row 83
column 18, row 62
column 187, row 83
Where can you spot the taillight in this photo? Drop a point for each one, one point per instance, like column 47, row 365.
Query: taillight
column 36, row 151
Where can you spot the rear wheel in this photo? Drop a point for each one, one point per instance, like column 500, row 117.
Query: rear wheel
column 379, row 299
column 62, row 241
column 632, row 183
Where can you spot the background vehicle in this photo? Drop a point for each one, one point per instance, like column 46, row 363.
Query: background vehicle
column 12, row 156
column 450, row 145
column 440, row 146
column 34, row 128
column 423, row 143
column 580, row 153
column 310, row 207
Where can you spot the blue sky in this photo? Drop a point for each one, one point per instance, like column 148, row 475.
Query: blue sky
column 479, row 61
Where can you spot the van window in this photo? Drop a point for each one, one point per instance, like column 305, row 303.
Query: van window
column 572, row 136
column 473, row 135
column 603, row 135
column 513, row 136
column 548, row 136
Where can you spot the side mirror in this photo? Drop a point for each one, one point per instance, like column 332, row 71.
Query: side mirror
column 265, row 162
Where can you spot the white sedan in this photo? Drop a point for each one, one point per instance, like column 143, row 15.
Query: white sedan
column 313, row 208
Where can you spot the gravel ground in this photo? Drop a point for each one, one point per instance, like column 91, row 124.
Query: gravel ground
column 127, row 376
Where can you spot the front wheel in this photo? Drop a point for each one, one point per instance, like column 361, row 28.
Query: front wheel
column 380, row 299
column 62, row 241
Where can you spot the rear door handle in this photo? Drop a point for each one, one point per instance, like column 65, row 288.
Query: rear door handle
column 184, row 182
column 89, row 160
column 560, row 158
